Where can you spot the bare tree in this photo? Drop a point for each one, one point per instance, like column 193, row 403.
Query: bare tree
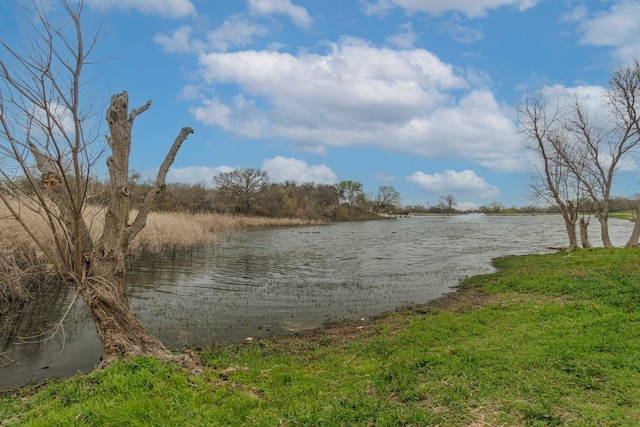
column 447, row 203
column 588, row 146
column 542, row 124
column 47, row 136
column 605, row 142
column 243, row 186
column 623, row 97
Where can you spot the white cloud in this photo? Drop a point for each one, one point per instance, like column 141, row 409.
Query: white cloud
column 281, row 169
column 404, row 38
column 359, row 95
column 167, row 8
column 577, row 14
column 465, row 206
column 188, row 175
column 179, row 41
column 241, row 117
column 61, row 115
column 460, row 32
column 591, row 98
column 298, row 14
column 235, row 31
column 385, row 177
column 471, row 8
column 461, row 184
column 618, row 28
column 377, row 8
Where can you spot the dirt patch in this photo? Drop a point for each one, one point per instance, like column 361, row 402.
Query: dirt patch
column 339, row 332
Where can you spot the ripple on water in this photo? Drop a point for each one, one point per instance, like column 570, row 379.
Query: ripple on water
column 283, row 280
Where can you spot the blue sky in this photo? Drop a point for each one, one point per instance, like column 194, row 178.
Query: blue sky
column 417, row 94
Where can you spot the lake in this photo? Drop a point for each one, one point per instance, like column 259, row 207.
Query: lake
column 265, row 282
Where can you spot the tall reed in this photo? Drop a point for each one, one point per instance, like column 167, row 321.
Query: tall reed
column 19, row 255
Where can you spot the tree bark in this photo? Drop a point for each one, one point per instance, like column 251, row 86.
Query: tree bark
column 635, row 234
column 584, row 233
column 103, row 288
column 570, row 225
column 120, row 332
column 604, row 229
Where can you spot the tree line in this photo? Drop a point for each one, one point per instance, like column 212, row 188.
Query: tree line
column 250, row 192
column 244, row 192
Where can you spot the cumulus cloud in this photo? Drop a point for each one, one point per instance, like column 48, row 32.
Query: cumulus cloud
column 592, row 99
column 167, row 8
column 618, row 28
column 189, row 175
column 461, row 184
column 281, row 169
column 235, row 31
column 471, row 8
column 577, row 14
column 298, row 14
column 357, row 94
column 179, row 41
column 460, row 32
column 404, row 38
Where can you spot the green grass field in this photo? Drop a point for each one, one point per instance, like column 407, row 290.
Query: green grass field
column 548, row 340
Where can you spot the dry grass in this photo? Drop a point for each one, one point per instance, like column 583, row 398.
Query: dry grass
column 164, row 230
column 181, row 229
column 20, row 256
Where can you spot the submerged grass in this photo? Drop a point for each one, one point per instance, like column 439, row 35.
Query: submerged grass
column 548, row 340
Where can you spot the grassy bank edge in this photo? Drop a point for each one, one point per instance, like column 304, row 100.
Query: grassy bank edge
column 546, row 340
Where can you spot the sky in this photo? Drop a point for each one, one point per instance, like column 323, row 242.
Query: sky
column 416, row 94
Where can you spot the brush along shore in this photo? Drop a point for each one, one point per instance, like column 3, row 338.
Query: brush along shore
column 22, row 265
column 547, row 340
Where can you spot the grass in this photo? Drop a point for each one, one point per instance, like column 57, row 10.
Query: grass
column 548, row 340
column 630, row 215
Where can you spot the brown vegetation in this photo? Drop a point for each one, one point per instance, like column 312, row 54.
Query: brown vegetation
column 21, row 260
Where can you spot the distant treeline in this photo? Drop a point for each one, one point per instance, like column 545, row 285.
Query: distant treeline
column 249, row 192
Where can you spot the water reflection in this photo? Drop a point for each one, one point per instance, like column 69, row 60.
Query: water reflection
column 275, row 281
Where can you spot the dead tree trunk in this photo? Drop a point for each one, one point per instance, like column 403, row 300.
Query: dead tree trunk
column 103, row 288
column 42, row 91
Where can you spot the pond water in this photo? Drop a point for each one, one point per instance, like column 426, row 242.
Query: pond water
column 265, row 282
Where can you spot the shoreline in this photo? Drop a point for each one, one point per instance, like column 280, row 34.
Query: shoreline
column 545, row 340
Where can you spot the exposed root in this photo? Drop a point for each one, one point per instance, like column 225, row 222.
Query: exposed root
column 187, row 360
